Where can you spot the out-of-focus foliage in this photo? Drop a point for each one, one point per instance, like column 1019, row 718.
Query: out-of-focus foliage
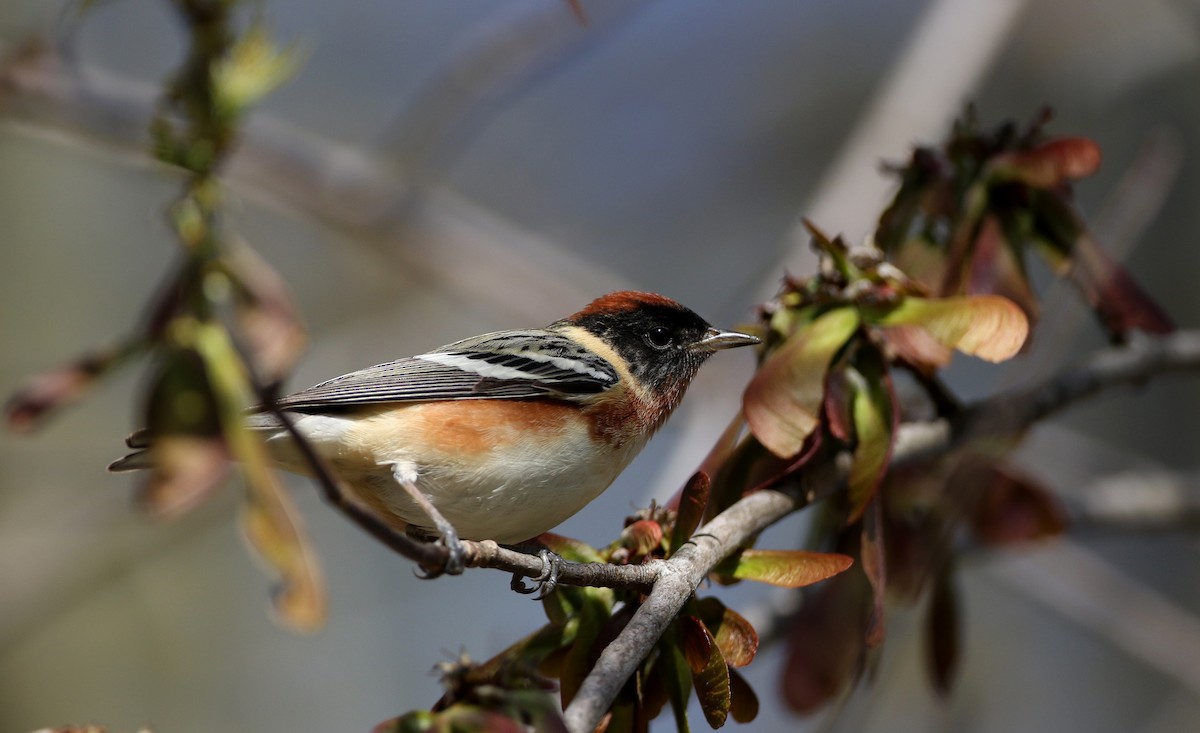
column 221, row 329
column 969, row 212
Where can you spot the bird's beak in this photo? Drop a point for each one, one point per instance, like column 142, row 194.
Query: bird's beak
column 715, row 340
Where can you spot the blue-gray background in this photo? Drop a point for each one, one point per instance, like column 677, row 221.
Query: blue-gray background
column 669, row 145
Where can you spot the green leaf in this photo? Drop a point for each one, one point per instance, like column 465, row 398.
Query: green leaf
column 253, row 67
column 677, row 678
column 874, row 427
column 188, row 456
column 835, row 249
column 734, row 634
column 592, row 615
column 692, row 503
column 533, row 648
column 569, row 549
column 987, row 326
column 785, row 568
column 269, row 520
column 783, row 401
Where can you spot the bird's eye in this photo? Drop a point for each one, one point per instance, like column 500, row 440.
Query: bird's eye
column 659, row 337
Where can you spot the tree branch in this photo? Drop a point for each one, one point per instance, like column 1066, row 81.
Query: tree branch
column 672, row 582
column 301, row 175
column 1009, row 414
column 1004, row 416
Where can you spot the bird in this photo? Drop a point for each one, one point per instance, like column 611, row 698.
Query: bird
column 500, row 436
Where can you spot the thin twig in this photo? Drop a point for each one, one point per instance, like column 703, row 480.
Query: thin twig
column 427, row 555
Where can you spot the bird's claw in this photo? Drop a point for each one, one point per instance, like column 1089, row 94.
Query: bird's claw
column 545, row 583
column 455, row 561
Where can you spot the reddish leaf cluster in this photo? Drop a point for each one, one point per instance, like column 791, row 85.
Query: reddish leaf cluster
column 967, row 213
column 825, row 386
column 700, row 651
column 831, row 341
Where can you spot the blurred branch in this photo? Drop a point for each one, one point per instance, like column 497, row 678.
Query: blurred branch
column 1004, row 416
column 1117, row 607
column 479, row 75
column 1010, row 413
column 1134, row 502
column 1149, row 501
column 297, row 174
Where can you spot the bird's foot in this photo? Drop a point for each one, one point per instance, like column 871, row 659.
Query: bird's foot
column 545, row 583
column 455, row 561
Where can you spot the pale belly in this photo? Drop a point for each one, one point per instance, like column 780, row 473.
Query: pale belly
column 500, row 484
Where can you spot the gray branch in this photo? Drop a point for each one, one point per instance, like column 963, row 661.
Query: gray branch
column 1001, row 418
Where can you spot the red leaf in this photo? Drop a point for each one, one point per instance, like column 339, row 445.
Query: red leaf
column 915, row 346
column 696, row 641
column 1113, row 294
column 641, row 538
column 187, row 469
column 734, row 634
column 783, row 402
column 1049, row 164
column 711, row 681
column 1013, row 507
column 995, row 270
column 827, row 646
column 692, row 503
column 943, row 633
column 268, row 317
column 839, row 397
column 874, row 566
column 909, row 535
column 60, row 387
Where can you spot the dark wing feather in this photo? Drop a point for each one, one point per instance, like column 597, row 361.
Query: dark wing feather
column 502, row 365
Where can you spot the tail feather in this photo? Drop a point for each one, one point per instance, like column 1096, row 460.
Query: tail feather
column 138, row 439
column 139, row 442
column 139, row 460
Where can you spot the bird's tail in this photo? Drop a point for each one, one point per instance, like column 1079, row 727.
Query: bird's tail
column 140, row 459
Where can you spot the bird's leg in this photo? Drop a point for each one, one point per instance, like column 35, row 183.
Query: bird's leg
column 405, row 475
column 545, row 583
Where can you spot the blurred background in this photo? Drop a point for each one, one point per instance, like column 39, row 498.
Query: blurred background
column 435, row 170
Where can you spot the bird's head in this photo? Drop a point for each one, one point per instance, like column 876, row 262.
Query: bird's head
column 662, row 342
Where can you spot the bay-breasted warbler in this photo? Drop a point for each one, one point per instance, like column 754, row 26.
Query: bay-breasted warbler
column 500, row 436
